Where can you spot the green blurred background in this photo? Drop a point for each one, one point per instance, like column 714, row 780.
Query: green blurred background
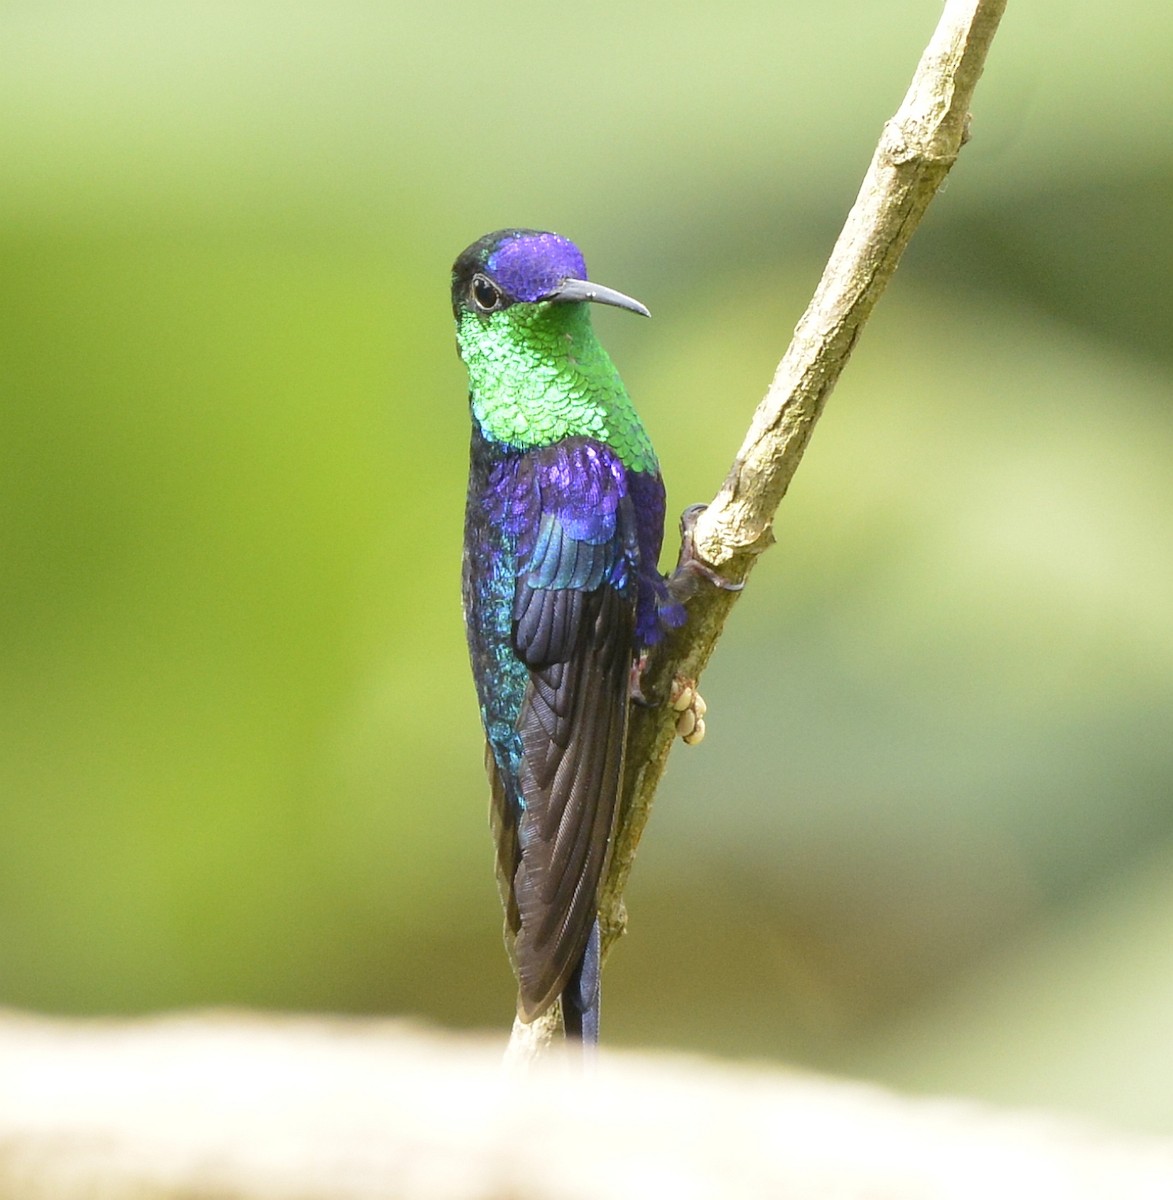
column 929, row 837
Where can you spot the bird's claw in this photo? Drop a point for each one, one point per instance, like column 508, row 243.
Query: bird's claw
column 690, row 708
column 690, row 567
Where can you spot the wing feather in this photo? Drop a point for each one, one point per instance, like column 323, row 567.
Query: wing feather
column 560, row 587
column 574, row 627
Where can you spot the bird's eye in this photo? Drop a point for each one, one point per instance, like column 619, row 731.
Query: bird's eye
column 486, row 295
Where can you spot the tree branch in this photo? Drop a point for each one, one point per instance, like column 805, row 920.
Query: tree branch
column 915, row 152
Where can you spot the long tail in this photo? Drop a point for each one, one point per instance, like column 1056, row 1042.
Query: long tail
column 580, row 999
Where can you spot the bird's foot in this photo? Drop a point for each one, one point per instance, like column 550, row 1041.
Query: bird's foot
column 687, row 704
column 690, row 708
column 691, row 569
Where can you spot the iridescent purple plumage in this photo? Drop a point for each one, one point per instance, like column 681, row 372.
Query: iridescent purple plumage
column 530, row 265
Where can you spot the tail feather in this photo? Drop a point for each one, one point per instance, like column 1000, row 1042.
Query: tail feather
column 581, row 997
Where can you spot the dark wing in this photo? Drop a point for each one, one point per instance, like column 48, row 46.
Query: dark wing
column 574, row 628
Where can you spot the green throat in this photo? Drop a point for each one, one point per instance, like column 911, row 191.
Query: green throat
column 538, row 374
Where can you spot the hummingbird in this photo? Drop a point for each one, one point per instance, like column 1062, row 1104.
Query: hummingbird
column 562, row 594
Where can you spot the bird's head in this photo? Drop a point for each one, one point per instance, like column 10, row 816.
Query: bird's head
column 525, row 266
column 536, row 372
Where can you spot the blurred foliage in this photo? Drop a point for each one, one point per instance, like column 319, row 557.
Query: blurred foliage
column 928, row 836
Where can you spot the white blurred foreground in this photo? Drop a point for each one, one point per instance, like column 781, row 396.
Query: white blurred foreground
column 235, row 1105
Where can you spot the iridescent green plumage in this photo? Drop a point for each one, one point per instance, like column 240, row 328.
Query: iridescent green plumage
column 537, row 374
